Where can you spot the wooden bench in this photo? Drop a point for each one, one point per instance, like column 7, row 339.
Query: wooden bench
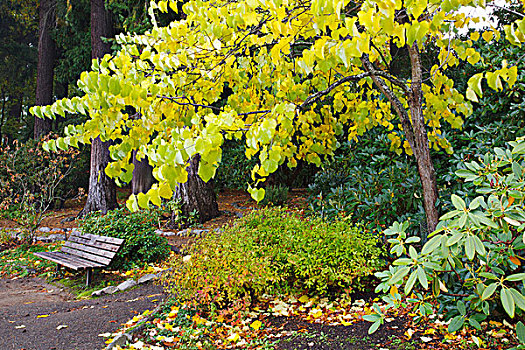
column 84, row 251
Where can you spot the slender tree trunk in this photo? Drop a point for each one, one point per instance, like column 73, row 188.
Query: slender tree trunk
column 102, row 191
column 46, row 63
column 421, row 147
column 415, row 131
column 196, row 195
column 15, row 112
column 142, row 175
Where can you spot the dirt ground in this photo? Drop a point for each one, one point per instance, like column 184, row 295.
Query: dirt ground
column 231, row 203
column 35, row 315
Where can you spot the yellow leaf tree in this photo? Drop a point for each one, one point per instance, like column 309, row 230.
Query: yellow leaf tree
column 290, row 76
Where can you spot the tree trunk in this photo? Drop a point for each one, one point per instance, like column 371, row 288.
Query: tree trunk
column 421, row 147
column 415, row 131
column 101, row 27
column 196, row 196
column 46, row 62
column 102, row 191
column 142, row 175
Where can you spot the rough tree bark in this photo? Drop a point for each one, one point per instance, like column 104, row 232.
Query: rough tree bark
column 415, row 131
column 421, row 148
column 45, row 66
column 102, row 191
column 142, row 175
column 196, row 195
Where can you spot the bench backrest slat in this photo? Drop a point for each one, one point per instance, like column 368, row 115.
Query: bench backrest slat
column 112, row 247
column 104, row 239
column 89, row 249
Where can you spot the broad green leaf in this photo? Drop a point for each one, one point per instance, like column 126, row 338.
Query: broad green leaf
column 520, row 332
column 487, row 293
column 519, row 299
column 399, row 275
column 458, row 202
column 470, row 250
column 507, row 301
column 516, row 277
column 410, row 282
column 474, row 323
column 374, row 327
column 431, row 245
column 422, row 277
column 456, row 323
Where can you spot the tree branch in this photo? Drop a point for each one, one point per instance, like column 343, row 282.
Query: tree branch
column 396, row 103
column 370, row 73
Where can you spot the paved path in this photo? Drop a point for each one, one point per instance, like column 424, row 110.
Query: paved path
column 23, row 300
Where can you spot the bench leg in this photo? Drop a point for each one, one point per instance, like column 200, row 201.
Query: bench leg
column 57, row 271
column 89, row 276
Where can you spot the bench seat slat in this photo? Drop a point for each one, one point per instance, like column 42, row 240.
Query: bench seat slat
column 101, row 245
column 91, row 250
column 67, row 260
column 86, row 255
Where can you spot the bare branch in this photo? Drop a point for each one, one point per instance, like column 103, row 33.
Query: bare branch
column 370, row 73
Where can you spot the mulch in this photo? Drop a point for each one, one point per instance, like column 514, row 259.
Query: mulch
column 325, row 337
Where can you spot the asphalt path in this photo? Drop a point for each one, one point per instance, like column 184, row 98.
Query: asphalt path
column 37, row 316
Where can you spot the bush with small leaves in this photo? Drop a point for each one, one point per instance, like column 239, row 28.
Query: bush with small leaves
column 275, row 195
column 274, row 251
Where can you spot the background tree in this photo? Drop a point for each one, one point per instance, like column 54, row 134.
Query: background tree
column 102, row 194
column 46, row 63
column 18, row 57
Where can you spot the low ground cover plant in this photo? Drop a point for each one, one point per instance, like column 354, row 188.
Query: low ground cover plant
column 20, row 261
column 141, row 244
column 274, row 251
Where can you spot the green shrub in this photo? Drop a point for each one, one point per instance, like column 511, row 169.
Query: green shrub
column 274, row 251
column 33, row 181
column 141, row 244
column 472, row 264
column 368, row 183
column 235, row 169
column 275, row 195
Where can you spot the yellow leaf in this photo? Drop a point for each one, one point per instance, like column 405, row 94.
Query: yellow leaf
column 42, row 316
column 233, row 338
column 304, row 299
column 317, row 313
column 393, row 291
column 256, row 325
column 474, row 36
column 487, row 35
column 344, row 323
